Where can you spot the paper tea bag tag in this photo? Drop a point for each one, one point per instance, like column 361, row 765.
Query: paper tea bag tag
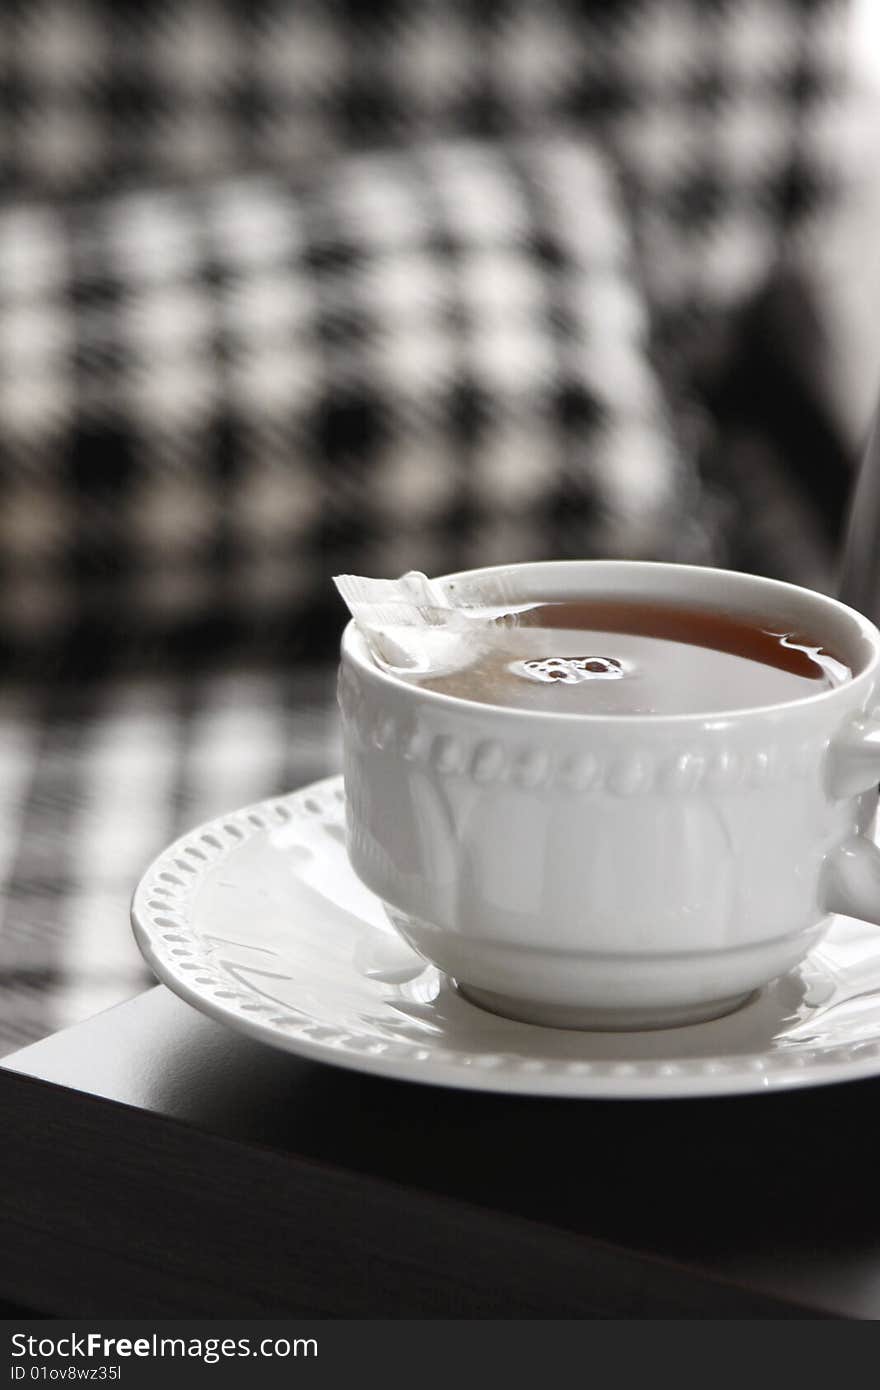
column 411, row 625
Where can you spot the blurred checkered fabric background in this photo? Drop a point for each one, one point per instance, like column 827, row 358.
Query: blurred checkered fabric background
column 95, row 783
column 212, row 399
column 312, row 286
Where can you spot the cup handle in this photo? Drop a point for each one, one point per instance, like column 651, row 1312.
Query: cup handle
column 852, row 880
column 854, row 757
column 852, row 871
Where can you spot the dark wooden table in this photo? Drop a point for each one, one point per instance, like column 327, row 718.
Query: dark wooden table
column 155, row 1164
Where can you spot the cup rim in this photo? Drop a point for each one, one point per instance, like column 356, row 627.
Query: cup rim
column 353, row 647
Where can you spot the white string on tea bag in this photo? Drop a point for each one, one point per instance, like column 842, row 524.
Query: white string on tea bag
column 411, row 624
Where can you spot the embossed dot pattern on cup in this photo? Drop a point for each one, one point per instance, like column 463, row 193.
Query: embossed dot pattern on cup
column 487, row 763
column 446, row 753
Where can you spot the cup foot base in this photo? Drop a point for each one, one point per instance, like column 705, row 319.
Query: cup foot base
column 624, row 1020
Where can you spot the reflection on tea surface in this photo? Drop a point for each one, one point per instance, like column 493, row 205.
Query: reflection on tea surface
column 610, row 656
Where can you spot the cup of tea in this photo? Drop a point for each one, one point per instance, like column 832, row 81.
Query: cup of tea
column 638, row 804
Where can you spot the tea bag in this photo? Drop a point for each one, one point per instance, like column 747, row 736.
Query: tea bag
column 412, row 626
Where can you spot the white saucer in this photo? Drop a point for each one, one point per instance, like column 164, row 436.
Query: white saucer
column 257, row 920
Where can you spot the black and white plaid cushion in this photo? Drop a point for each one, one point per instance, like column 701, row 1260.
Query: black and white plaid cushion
column 717, row 113
column 212, row 399
column 349, row 352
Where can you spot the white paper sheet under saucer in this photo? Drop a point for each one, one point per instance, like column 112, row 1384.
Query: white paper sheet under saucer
column 257, row 920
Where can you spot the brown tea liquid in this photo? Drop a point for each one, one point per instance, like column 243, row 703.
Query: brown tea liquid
column 616, row 656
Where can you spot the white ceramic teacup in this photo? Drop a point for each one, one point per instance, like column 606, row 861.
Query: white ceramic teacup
column 617, row 871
